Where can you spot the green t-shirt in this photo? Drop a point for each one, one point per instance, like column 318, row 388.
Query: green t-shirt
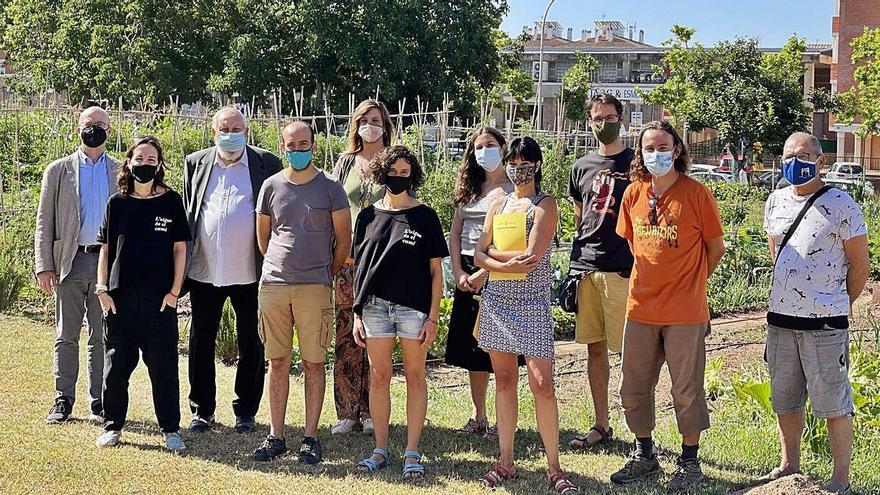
column 361, row 193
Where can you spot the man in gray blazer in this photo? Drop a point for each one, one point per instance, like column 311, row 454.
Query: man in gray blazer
column 73, row 198
column 220, row 188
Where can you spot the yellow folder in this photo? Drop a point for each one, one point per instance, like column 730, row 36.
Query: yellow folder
column 509, row 234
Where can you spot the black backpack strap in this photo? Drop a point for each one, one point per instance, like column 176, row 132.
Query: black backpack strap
column 797, row 220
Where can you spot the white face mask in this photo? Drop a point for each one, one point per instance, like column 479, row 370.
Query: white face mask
column 659, row 163
column 488, row 158
column 370, row 132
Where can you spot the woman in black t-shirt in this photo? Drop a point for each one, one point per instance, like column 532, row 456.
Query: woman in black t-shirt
column 140, row 273
column 397, row 249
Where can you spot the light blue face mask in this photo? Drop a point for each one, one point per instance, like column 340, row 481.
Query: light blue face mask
column 299, row 160
column 488, row 158
column 231, row 142
column 659, row 163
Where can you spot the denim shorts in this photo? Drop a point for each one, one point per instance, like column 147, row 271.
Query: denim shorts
column 383, row 319
column 809, row 363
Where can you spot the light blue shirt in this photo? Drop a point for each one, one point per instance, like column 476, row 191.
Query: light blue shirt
column 94, row 190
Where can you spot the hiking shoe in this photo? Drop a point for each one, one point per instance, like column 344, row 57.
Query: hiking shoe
column 310, row 451
column 367, row 426
column 174, row 442
column 637, row 468
column 245, row 424
column 687, row 475
column 60, row 412
column 271, row 448
column 200, row 424
column 108, row 438
column 344, row 426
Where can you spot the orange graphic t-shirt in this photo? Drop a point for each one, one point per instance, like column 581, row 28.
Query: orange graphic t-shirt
column 668, row 283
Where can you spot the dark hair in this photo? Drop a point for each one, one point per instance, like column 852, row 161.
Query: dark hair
column 526, row 148
column 470, row 174
column 639, row 171
column 125, row 180
column 605, row 98
column 381, row 164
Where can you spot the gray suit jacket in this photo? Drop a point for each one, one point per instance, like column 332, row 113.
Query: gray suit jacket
column 58, row 222
column 262, row 164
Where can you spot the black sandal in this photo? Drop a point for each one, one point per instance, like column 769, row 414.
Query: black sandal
column 580, row 442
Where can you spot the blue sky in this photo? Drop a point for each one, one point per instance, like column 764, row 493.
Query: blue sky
column 771, row 21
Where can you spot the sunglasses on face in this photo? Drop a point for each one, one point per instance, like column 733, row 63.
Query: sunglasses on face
column 653, row 218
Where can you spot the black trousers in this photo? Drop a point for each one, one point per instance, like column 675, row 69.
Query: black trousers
column 207, row 308
column 139, row 327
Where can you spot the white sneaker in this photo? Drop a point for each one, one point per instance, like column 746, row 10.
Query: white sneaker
column 367, row 424
column 108, row 438
column 344, row 426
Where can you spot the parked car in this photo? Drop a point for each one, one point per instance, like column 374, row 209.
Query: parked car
column 702, row 167
column 852, row 186
column 845, row 170
column 710, row 177
column 767, row 179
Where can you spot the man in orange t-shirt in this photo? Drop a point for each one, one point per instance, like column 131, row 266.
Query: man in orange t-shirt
column 674, row 230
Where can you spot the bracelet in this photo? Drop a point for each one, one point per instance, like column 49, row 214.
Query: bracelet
column 431, row 320
column 173, row 294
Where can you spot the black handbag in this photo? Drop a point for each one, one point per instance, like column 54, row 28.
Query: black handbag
column 568, row 292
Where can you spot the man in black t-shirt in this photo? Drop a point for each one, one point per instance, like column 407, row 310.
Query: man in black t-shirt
column 603, row 258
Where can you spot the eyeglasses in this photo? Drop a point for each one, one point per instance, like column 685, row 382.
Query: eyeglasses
column 610, row 119
column 653, row 218
column 102, row 125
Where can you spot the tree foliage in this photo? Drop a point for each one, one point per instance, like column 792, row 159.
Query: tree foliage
column 512, row 80
column 746, row 96
column 862, row 102
column 147, row 50
column 576, row 83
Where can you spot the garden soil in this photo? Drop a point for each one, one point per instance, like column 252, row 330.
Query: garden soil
column 790, row 485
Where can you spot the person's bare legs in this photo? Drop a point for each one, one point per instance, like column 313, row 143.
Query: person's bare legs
column 380, row 350
column 546, row 408
column 598, row 373
column 279, row 388
column 414, row 356
column 479, row 381
column 840, row 436
column 315, row 383
column 506, row 405
column 791, row 427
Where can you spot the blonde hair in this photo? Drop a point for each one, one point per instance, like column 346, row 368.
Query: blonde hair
column 355, row 142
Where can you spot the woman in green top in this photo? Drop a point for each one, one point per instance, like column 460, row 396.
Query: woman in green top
column 369, row 132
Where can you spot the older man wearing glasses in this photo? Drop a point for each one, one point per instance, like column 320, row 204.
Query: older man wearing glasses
column 73, row 197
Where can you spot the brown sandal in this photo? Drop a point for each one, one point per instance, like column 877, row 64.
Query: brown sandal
column 496, row 475
column 580, row 442
column 560, row 484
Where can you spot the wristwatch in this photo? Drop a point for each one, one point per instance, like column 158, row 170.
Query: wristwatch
column 101, row 289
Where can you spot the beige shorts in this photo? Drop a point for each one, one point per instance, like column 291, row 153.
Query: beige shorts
column 308, row 307
column 601, row 309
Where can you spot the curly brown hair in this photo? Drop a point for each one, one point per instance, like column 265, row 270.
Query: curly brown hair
column 381, row 164
column 470, row 174
column 639, row 171
column 124, row 179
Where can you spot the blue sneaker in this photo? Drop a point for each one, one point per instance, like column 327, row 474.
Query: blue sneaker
column 174, row 442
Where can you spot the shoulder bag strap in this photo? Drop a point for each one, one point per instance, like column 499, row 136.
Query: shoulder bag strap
column 797, row 220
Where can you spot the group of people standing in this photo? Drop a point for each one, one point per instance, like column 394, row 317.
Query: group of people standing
column 294, row 247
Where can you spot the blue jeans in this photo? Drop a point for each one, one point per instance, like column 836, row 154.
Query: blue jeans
column 383, row 319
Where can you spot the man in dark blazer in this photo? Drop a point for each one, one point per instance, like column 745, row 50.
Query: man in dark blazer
column 220, row 188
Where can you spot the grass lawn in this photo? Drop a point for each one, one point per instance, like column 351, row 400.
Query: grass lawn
column 35, row 458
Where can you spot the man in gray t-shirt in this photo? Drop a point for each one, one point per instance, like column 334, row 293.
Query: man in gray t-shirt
column 304, row 233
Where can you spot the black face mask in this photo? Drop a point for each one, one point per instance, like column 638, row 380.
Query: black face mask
column 397, row 184
column 93, row 136
column 144, row 173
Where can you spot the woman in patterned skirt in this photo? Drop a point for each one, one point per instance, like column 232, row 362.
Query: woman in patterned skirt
column 515, row 316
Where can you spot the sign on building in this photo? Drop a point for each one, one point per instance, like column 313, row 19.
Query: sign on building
column 623, row 92
column 635, row 122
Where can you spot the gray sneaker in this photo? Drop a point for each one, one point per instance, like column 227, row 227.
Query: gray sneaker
column 837, row 488
column 637, row 468
column 174, row 442
column 687, row 475
column 108, row 438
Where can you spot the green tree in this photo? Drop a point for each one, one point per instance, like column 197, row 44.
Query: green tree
column 746, row 96
column 862, row 101
column 512, row 80
column 576, row 84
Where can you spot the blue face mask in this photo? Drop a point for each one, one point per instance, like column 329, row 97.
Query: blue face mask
column 299, row 160
column 658, row 163
column 798, row 172
column 230, row 142
column 488, row 158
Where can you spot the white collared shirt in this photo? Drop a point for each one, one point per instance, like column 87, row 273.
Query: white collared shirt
column 223, row 253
